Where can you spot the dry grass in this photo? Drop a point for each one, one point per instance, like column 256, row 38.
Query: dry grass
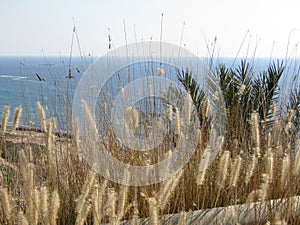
column 45, row 181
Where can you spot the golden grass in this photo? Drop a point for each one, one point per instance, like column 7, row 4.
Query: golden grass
column 45, row 181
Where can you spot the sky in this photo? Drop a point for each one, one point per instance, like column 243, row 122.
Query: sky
column 225, row 28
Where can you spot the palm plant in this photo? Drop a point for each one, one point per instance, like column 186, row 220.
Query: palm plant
column 294, row 108
column 266, row 90
column 236, row 87
column 193, row 88
column 294, row 104
column 243, row 93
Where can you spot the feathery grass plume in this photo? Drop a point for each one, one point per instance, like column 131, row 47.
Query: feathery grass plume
column 235, row 171
column 92, row 127
column 26, row 170
column 268, row 140
column 81, row 217
column 203, row 167
column 169, row 113
column 168, row 189
column 153, row 211
column 36, row 207
column 48, row 137
column 122, row 91
column 264, row 187
column 297, row 161
column 96, row 207
column 17, row 116
column 242, row 89
column 250, row 198
column 199, row 136
column 5, row 117
column 44, row 196
column 182, row 218
column 132, row 118
column 289, row 123
column 270, row 164
column 268, row 223
column 97, row 201
column 160, row 71
column 150, row 88
column 77, row 133
column 88, row 114
column 110, row 208
column 177, row 122
column 54, row 124
column 82, row 201
column 42, row 115
column 201, row 178
column 54, row 207
column 22, row 219
column 164, row 189
column 285, row 169
column 223, row 168
column 206, row 106
column 122, row 199
column 30, row 155
column 276, row 130
column 29, row 197
column 135, row 217
column 105, row 107
column 23, row 163
column 255, row 133
column 6, row 205
column 188, row 106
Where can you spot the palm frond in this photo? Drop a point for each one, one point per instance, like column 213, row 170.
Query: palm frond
column 266, row 90
column 191, row 85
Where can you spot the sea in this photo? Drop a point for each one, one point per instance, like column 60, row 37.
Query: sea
column 26, row 80
column 52, row 81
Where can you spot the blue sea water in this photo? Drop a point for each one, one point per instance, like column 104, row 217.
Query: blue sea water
column 19, row 84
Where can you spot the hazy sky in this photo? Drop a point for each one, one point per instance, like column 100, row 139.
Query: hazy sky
column 28, row 27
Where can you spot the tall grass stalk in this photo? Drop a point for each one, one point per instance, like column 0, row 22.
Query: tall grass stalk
column 250, row 169
column 153, row 211
column 5, row 117
column 235, row 173
column 42, row 116
column 6, row 205
column 54, row 207
column 17, row 116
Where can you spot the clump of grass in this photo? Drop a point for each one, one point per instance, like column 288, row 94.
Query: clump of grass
column 259, row 160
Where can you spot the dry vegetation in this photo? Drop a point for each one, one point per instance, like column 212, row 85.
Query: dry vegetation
column 44, row 181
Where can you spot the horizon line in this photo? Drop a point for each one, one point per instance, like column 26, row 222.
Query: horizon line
column 98, row 56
